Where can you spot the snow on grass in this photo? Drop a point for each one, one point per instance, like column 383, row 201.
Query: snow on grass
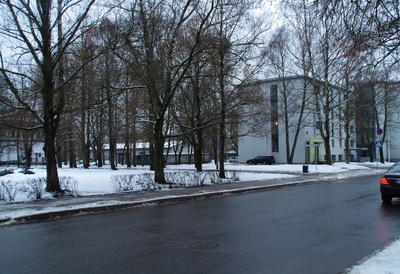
column 97, row 181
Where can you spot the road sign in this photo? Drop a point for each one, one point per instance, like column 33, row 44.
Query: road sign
column 378, row 144
column 379, row 131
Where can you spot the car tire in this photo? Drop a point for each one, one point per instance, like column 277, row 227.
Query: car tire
column 264, row 163
column 386, row 199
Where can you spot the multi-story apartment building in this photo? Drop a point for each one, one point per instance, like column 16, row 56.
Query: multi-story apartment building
column 292, row 116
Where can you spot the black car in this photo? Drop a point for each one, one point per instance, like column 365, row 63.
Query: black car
column 261, row 160
column 390, row 184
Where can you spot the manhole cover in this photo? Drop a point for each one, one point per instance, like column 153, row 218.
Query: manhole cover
column 204, row 245
column 156, row 230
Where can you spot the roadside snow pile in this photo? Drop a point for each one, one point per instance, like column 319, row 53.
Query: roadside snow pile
column 382, row 262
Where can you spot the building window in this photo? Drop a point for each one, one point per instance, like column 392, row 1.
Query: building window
column 351, row 143
column 274, row 118
column 334, row 158
column 333, row 142
column 274, row 94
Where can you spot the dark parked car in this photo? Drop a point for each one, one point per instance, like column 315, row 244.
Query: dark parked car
column 390, row 184
column 261, row 160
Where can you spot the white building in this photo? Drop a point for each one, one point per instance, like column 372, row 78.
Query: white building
column 270, row 138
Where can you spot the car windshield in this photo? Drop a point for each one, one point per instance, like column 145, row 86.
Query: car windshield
column 395, row 169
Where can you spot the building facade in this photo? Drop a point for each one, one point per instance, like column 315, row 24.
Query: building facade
column 291, row 116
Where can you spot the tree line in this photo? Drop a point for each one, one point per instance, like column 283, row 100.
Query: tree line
column 80, row 74
column 348, row 54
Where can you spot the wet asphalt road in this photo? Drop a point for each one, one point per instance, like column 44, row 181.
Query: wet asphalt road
column 319, row 228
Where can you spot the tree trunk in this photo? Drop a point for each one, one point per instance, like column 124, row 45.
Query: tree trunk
column 112, row 155
column 128, row 155
column 381, row 155
column 152, row 154
column 222, row 147
column 370, row 150
column 134, row 159
column 86, row 155
column 28, row 156
column 158, row 157
column 72, row 156
column 198, row 151
column 85, row 134
column 58, row 155
column 53, row 183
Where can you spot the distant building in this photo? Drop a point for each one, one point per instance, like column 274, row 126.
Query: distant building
column 174, row 153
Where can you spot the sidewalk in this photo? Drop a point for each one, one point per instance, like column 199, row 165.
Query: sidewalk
column 11, row 213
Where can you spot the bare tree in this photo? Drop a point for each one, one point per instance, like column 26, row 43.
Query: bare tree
column 152, row 35
column 322, row 34
column 29, row 26
column 381, row 27
column 236, row 61
column 193, row 107
column 294, row 100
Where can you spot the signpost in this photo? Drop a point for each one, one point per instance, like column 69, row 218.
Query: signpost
column 378, row 143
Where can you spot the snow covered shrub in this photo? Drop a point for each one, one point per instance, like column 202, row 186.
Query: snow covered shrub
column 177, row 178
column 130, row 182
column 199, row 177
column 146, row 181
column 195, row 178
column 214, row 177
column 124, row 182
column 69, row 186
column 9, row 189
column 35, row 188
column 234, row 176
column 185, row 178
column 2, row 192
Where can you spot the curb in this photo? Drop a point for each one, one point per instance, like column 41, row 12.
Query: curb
column 155, row 201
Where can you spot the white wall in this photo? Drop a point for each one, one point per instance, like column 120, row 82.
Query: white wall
column 251, row 146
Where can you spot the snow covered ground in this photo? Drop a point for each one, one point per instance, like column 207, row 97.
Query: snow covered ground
column 95, row 181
